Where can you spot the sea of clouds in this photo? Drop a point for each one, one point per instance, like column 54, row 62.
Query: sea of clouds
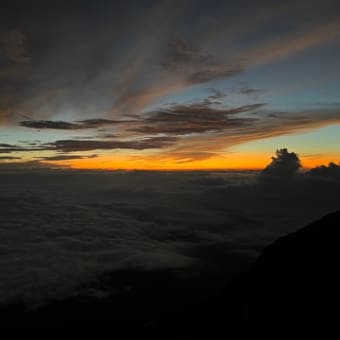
column 61, row 228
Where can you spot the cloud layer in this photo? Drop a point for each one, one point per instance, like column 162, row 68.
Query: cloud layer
column 62, row 228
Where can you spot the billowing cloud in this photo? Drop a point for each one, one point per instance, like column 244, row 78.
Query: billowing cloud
column 283, row 166
column 332, row 171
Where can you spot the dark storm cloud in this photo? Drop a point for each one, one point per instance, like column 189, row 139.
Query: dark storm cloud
column 250, row 129
column 5, row 158
column 214, row 127
column 190, row 132
column 19, row 148
column 198, row 112
column 62, row 125
column 46, row 124
column 66, row 157
column 5, row 145
column 71, row 145
column 195, row 118
column 86, row 145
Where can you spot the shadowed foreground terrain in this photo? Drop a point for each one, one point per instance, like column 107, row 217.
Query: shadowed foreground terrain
column 293, row 283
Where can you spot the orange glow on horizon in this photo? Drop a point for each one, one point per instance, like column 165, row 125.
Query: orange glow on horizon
column 227, row 162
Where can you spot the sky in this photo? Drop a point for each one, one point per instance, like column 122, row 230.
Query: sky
column 179, row 85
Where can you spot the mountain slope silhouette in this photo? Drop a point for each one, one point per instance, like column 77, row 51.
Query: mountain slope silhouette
column 294, row 283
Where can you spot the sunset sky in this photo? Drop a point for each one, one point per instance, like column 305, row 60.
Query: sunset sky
column 169, row 84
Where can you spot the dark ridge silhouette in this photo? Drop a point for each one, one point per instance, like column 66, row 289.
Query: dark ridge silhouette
column 293, row 284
